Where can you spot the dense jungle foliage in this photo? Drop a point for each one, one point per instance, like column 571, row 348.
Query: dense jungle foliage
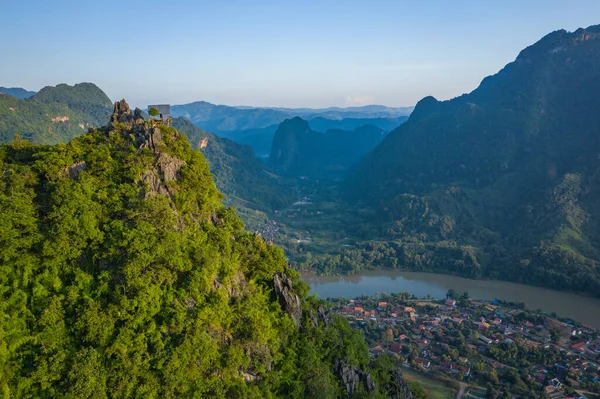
column 54, row 114
column 122, row 275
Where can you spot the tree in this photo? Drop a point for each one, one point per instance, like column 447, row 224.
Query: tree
column 451, row 294
column 153, row 112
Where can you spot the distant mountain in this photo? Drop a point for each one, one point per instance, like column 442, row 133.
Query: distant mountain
column 54, row 114
column 503, row 181
column 299, row 150
column 261, row 139
column 246, row 182
column 222, row 118
column 323, row 124
column 256, row 126
column 17, row 92
column 367, row 111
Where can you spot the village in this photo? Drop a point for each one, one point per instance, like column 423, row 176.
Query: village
column 482, row 349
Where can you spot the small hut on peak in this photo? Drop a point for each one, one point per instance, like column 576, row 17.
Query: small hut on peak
column 163, row 111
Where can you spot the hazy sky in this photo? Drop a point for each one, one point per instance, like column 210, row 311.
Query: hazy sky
column 276, row 53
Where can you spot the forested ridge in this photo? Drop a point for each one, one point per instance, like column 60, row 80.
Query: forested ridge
column 500, row 183
column 122, row 275
column 54, row 114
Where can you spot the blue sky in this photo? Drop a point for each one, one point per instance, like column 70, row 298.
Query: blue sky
column 275, row 53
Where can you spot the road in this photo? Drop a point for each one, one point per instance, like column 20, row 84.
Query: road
column 461, row 390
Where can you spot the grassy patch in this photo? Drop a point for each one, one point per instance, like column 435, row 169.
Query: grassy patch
column 434, row 388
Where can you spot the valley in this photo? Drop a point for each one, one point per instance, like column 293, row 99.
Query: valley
column 328, row 200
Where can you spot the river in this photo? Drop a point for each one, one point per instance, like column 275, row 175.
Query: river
column 583, row 309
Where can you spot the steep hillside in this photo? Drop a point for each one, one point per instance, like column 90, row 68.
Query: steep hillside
column 506, row 178
column 299, row 150
column 54, row 114
column 17, row 92
column 122, row 275
column 243, row 179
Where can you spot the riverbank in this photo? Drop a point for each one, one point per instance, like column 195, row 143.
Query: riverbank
column 583, row 309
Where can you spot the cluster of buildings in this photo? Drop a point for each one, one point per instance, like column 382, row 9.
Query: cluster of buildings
column 467, row 340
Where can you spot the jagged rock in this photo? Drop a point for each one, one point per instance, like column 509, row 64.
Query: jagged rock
column 352, row 378
column 397, row 387
column 74, row 170
column 167, row 167
column 121, row 113
column 320, row 316
column 289, row 301
column 249, row 377
column 190, row 303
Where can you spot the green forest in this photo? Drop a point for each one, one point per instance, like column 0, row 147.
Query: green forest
column 123, row 275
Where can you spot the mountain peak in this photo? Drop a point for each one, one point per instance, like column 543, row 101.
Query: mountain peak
column 424, row 107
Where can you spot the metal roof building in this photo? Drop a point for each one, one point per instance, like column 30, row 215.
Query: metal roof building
column 163, row 109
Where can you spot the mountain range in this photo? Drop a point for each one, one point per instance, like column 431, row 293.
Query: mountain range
column 503, row 182
column 256, row 126
column 300, row 151
column 17, row 92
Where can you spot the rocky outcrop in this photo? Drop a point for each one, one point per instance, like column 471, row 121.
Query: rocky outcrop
column 397, row 387
column 166, row 167
column 321, row 316
column 288, row 299
column 74, row 170
column 352, row 378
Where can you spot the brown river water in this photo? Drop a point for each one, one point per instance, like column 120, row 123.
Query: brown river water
column 583, row 309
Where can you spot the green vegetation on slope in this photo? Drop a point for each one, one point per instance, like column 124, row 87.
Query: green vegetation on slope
column 54, row 114
column 246, row 181
column 123, row 276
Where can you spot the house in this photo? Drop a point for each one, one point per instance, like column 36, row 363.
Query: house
column 382, row 304
column 423, row 362
column 549, row 389
column 450, row 303
column 402, row 337
column 578, row 346
column 485, row 339
column 556, row 383
column 396, row 348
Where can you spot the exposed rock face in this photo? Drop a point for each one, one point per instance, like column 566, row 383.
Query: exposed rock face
column 166, row 167
column 320, row 316
column 61, row 118
column 352, row 378
column 289, row 301
column 398, row 388
column 74, row 170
